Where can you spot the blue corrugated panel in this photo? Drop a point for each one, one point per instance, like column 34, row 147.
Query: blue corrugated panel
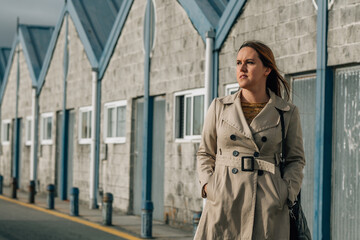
column 97, row 18
column 4, row 56
column 213, row 9
column 36, row 40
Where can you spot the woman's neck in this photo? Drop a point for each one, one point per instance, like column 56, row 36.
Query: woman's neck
column 254, row 97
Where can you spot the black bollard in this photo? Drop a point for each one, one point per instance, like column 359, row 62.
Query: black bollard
column 196, row 219
column 107, row 209
column 51, row 196
column 13, row 187
column 1, row 184
column 32, row 192
column 74, row 202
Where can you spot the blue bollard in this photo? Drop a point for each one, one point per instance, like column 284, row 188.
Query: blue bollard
column 32, row 192
column 13, row 187
column 107, row 209
column 74, row 202
column 196, row 219
column 51, row 196
column 1, row 184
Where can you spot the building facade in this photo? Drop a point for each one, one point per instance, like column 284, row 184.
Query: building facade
column 163, row 61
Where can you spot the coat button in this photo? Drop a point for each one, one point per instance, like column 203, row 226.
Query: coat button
column 233, row 137
column 256, row 154
column 264, row 139
column 235, row 153
column 234, row 170
column 260, row 172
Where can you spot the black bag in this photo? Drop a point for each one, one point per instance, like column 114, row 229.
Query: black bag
column 299, row 229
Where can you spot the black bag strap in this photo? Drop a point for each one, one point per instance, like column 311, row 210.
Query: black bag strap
column 283, row 149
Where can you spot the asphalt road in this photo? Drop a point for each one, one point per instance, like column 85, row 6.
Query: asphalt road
column 22, row 223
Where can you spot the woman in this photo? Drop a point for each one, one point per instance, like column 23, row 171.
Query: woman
column 239, row 154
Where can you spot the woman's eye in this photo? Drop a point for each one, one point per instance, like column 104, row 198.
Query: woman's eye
column 250, row 62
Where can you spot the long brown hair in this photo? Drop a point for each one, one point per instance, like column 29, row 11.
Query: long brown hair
column 274, row 80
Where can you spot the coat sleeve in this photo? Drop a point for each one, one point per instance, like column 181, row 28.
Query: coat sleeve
column 295, row 159
column 207, row 150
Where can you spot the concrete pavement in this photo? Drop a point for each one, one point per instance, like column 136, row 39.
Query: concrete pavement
column 124, row 225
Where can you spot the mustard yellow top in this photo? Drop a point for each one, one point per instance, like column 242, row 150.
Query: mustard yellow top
column 251, row 110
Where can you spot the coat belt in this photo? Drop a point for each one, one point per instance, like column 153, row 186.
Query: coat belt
column 246, row 162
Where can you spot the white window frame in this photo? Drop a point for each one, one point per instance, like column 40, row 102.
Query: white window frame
column 81, row 111
column 28, row 123
column 43, row 116
column 8, row 123
column 230, row 87
column 188, row 93
column 121, row 103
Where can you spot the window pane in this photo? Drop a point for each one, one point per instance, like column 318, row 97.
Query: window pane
column 89, row 124
column 188, row 116
column 48, row 128
column 83, row 124
column 198, row 115
column 28, row 130
column 120, row 127
column 304, row 98
column 44, row 128
column 179, row 117
column 345, row 209
column 110, row 122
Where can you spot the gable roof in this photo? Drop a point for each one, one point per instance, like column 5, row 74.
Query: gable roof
column 4, row 56
column 217, row 15
column 35, row 41
column 99, row 24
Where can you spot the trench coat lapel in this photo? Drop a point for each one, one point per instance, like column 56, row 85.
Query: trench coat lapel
column 269, row 117
column 234, row 116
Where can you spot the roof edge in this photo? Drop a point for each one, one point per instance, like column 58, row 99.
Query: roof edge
column 197, row 17
column 83, row 37
column 114, row 36
column 8, row 66
column 227, row 20
column 45, row 66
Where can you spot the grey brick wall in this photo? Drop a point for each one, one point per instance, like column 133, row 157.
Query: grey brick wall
column 123, row 80
column 344, row 33
column 288, row 27
column 78, row 95
column 8, row 106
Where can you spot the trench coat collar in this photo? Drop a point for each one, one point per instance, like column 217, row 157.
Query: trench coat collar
column 267, row 118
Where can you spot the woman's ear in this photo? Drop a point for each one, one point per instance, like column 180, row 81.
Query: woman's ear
column 267, row 71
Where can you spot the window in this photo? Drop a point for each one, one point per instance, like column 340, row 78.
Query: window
column 231, row 88
column 46, row 128
column 115, row 122
column 5, row 138
column 303, row 96
column 28, row 131
column 189, row 114
column 85, row 125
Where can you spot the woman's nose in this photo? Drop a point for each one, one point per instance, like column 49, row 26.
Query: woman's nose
column 243, row 68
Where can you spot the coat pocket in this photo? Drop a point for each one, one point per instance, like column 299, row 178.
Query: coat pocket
column 281, row 189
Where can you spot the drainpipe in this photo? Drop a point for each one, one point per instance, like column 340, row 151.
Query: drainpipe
column 16, row 146
column 209, row 63
column 323, row 130
column 34, row 138
column 147, row 204
column 64, row 137
column 94, row 139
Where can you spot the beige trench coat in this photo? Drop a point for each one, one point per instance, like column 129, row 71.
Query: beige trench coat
column 246, row 196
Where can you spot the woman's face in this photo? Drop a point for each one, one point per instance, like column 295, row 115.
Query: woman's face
column 250, row 72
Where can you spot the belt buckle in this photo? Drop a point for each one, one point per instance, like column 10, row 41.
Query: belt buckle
column 252, row 163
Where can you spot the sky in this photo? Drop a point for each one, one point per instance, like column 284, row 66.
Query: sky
column 34, row 12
